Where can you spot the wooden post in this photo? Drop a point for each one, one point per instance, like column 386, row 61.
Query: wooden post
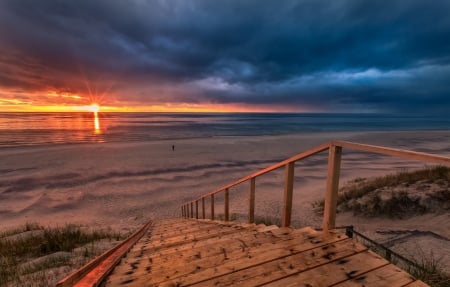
column 182, row 211
column 196, row 209
column 192, row 209
column 288, row 190
column 187, row 210
column 227, row 205
column 334, row 167
column 212, row 206
column 203, row 208
column 251, row 201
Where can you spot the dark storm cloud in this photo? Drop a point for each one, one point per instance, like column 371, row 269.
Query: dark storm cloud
column 325, row 55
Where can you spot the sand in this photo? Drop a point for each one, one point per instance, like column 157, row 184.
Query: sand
column 123, row 185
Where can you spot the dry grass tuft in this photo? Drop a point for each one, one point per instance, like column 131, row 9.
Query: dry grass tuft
column 33, row 255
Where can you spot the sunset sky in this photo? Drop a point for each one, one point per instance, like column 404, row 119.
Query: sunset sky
column 189, row 55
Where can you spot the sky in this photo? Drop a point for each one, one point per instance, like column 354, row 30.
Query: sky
column 349, row 56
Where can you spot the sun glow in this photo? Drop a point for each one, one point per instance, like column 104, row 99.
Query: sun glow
column 95, row 108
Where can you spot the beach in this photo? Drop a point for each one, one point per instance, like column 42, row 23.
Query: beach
column 120, row 186
column 124, row 184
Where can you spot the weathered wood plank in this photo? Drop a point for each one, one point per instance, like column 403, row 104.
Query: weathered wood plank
column 131, row 270
column 200, row 249
column 388, row 275
column 288, row 192
column 212, row 206
column 283, row 267
column 417, row 283
column 251, row 257
column 334, row 167
column 230, row 254
column 426, row 157
column 189, row 237
column 203, row 208
column 251, row 201
column 227, row 205
column 334, row 272
column 157, row 274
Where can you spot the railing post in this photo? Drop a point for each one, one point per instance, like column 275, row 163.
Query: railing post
column 227, row 205
column 186, row 206
column 192, row 209
column 203, row 208
column 334, row 167
column 212, row 206
column 196, row 209
column 182, row 211
column 288, row 190
column 349, row 231
column 251, row 208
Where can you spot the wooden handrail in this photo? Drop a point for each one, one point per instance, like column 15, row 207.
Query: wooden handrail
column 97, row 269
column 295, row 158
column 334, row 161
column 395, row 152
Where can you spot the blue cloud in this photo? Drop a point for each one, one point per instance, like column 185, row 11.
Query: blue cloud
column 328, row 55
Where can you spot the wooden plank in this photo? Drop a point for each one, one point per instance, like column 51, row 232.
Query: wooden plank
column 227, row 205
column 251, row 201
column 253, row 237
column 417, row 283
column 190, row 229
column 247, row 258
column 205, row 232
column 334, row 166
column 137, row 261
column 138, row 266
column 283, row 267
column 212, row 206
column 178, row 230
column 334, row 272
column 196, row 209
column 97, row 269
column 288, row 191
column 203, row 208
column 388, row 275
column 242, row 233
column 203, row 247
column 426, row 157
column 210, row 255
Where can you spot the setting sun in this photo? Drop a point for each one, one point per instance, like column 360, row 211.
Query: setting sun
column 93, row 108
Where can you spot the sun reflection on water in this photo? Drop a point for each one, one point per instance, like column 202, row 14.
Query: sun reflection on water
column 97, row 129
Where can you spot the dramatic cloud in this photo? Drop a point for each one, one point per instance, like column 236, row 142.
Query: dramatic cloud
column 337, row 56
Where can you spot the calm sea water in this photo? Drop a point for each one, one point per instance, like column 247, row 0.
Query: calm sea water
column 22, row 129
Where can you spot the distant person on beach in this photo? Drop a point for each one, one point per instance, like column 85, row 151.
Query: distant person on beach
column 173, row 147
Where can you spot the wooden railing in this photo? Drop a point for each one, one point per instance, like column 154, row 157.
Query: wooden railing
column 334, row 162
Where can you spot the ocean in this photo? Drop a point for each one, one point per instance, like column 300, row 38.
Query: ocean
column 30, row 129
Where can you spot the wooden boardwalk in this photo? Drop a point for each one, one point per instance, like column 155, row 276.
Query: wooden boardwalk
column 185, row 252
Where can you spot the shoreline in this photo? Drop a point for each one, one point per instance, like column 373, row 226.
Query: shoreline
column 14, row 146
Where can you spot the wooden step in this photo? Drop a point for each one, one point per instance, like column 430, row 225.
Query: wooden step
column 190, row 252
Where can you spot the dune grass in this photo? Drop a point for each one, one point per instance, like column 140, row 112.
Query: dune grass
column 400, row 203
column 430, row 272
column 32, row 249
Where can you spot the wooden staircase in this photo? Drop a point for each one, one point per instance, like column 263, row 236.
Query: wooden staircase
column 186, row 252
column 194, row 251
